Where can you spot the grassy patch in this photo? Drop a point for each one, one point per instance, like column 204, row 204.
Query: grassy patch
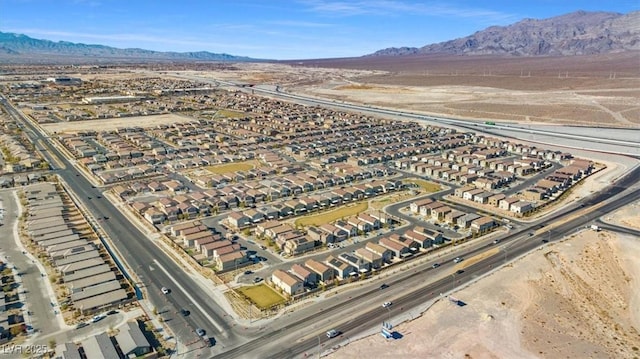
column 336, row 214
column 230, row 114
column 424, row 185
column 379, row 203
column 262, row 295
column 231, row 167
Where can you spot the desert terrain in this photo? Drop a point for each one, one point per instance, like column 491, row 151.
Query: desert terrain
column 597, row 90
column 572, row 299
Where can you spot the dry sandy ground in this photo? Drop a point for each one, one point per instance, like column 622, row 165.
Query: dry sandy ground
column 588, row 98
column 619, row 108
column 575, row 299
column 110, row 124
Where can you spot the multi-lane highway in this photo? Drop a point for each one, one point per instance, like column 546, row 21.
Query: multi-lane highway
column 351, row 312
column 152, row 266
column 356, row 312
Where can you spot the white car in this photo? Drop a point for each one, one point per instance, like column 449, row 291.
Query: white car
column 457, row 260
column 165, row 290
column 97, row 318
column 386, row 304
column 332, row 333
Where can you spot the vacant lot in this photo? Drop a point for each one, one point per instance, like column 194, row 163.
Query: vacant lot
column 328, row 217
column 576, row 299
column 577, row 90
column 262, row 295
column 110, row 124
column 231, row 167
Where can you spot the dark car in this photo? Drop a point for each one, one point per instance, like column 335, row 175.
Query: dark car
column 435, row 265
column 459, row 271
column 545, row 241
column 384, row 286
column 112, row 312
column 82, row 325
column 184, row 312
column 247, row 272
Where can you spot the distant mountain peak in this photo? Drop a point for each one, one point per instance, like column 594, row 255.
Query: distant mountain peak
column 576, row 33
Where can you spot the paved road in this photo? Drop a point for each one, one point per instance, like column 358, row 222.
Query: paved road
column 137, row 251
column 154, row 267
column 346, row 317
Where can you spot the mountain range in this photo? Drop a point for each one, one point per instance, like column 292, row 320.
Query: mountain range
column 577, row 33
column 22, row 48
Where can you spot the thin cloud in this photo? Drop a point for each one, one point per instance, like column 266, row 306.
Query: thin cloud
column 299, row 23
column 394, row 8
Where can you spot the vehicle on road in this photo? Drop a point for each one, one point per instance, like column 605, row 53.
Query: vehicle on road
column 332, row 333
column 184, row 312
column 247, row 272
column 457, row 260
column 435, row 265
column 530, row 234
column 97, row 318
column 82, row 325
column 545, row 241
column 496, row 241
column 112, row 312
column 386, row 304
column 201, row 332
column 384, row 286
column 459, row 271
column 257, row 280
column 165, row 290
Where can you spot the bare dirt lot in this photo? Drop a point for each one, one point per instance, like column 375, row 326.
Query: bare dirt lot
column 110, row 124
column 572, row 299
column 601, row 90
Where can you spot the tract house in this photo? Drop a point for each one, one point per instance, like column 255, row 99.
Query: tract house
column 287, row 282
column 342, row 269
column 324, row 273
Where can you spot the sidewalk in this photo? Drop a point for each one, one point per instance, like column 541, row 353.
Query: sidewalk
column 47, row 283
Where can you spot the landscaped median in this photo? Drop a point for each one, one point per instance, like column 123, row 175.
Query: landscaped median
column 332, row 216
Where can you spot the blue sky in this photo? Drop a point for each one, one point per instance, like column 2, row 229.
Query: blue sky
column 276, row 29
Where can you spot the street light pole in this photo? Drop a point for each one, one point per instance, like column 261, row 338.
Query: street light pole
column 453, row 281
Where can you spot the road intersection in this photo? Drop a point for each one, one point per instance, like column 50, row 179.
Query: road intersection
column 360, row 306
